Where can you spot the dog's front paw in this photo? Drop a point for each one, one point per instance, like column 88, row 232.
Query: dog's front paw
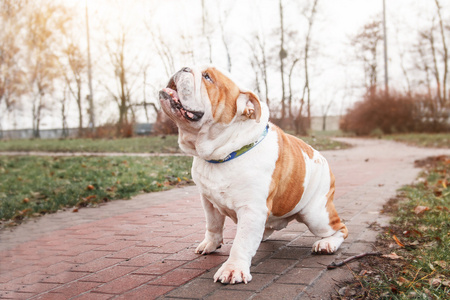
column 327, row 245
column 233, row 273
column 208, row 246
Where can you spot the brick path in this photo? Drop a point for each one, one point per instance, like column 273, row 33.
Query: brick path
column 144, row 248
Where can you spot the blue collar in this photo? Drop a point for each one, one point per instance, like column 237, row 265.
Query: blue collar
column 243, row 150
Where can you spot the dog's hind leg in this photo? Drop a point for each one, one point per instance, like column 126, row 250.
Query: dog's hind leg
column 322, row 220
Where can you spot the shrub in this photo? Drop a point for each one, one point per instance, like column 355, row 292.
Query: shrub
column 394, row 113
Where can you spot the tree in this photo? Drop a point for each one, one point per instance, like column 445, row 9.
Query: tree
column 223, row 17
column 122, row 94
column 259, row 62
column 11, row 75
column 73, row 76
column 310, row 16
column 366, row 46
column 282, row 55
column 45, row 23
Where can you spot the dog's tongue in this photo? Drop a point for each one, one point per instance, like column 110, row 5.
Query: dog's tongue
column 172, row 94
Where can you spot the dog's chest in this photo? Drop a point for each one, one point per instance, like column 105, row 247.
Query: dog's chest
column 240, row 182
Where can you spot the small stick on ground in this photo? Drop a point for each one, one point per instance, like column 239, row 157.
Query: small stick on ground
column 334, row 265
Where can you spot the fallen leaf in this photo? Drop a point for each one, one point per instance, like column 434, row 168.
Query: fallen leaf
column 393, row 255
column 25, row 211
column 435, row 281
column 26, row 200
column 441, row 263
column 412, row 232
column 401, row 280
column 398, row 241
column 420, row 209
column 90, row 187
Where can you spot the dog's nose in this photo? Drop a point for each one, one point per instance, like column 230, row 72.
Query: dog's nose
column 186, row 69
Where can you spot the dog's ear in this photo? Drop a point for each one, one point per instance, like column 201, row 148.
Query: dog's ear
column 252, row 108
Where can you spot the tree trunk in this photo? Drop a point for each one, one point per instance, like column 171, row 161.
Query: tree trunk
column 282, row 56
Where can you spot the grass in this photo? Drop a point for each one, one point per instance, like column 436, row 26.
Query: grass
column 30, row 186
column 322, row 143
column 433, row 140
column 151, row 144
column 421, row 225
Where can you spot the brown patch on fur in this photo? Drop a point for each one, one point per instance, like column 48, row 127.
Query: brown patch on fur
column 286, row 188
column 335, row 221
column 223, row 94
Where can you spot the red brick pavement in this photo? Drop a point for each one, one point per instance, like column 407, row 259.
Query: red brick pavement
column 144, row 248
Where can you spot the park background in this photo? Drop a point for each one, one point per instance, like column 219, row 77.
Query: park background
column 306, row 59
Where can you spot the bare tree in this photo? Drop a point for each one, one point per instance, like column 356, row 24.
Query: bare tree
column 282, row 55
column 259, row 62
column 74, row 78
column 444, row 54
column 11, row 76
column 122, row 93
column 366, row 46
column 207, row 29
column 310, row 16
column 223, row 17
column 45, row 22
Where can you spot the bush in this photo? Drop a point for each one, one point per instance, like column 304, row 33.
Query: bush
column 395, row 113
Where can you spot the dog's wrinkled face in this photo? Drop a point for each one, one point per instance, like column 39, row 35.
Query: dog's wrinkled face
column 195, row 96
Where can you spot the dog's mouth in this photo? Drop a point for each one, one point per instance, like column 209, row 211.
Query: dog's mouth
column 170, row 93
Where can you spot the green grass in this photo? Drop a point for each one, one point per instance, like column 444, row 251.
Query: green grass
column 424, row 271
column 38, row 185
column 152, row 144
column 322, row 143
column 433, row 140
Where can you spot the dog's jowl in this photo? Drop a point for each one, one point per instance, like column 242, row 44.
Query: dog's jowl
column 248, row 169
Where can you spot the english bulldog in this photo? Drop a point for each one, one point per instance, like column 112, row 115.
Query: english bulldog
column 248, row 169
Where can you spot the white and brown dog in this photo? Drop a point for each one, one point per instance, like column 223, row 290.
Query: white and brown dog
column 248, row 169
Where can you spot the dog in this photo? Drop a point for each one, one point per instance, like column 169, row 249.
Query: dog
column 248, row 169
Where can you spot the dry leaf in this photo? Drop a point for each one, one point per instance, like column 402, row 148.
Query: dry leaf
column 435, row 281
column 420, row 209
column 90, row 187
column 398, row 241
column 393, row 255
column 441, row 263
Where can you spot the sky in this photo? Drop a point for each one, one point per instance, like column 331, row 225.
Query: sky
column 335, row 73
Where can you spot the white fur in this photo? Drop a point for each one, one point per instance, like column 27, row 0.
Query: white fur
column 239, row 188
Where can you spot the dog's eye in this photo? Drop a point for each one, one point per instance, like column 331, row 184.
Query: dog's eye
column 207, row 77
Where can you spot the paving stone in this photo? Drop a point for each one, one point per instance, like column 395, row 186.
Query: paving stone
column 299, row 276
column 197, row 288
column 280, row 291
column 160, row 267
column 177, row 277
column 292, row 253
column 273, row 266
column 123, row 284
column 108, row 274
column 230, row 294
column 146, row 292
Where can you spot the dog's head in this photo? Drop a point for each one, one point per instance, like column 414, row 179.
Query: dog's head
column 205, row 101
